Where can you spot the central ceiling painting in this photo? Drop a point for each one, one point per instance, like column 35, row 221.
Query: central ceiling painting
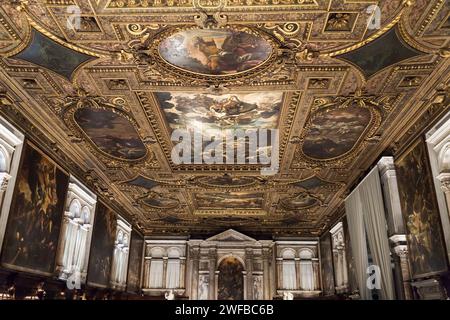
column 241, row 203
column 229, row 111
column 215, row 51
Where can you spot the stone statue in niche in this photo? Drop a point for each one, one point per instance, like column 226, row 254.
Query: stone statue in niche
column 203, row 286
column 257, row 288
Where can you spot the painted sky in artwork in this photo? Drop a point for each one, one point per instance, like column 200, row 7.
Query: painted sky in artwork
column 230, row 111
column 111, row 133
column 233, row 200
column 215, row 51
column 334, row 133
column 51, row 55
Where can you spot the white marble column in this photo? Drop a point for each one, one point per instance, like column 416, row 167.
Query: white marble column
column 194, row 255
column 401, row 251
column 396, row 226
column 316, row 273
column 212, row 256
column 339, row 253
column 444, row 179
column 182, row 272
column 267, row 255
column 279, row 266
column 249, row 269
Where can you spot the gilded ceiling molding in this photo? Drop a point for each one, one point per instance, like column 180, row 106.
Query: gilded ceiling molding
column 22, row 39
column 212, row 4
column 438, row 106
column 32, row 23
column 442, row 52
column 206, row 20
column 376, row 35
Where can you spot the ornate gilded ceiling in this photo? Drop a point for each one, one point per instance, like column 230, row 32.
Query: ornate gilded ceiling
column 343, row 81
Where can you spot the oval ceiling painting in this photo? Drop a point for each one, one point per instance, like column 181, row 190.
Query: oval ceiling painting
column 299, row 201
column 158, row 201
column 110, row 132
column 332, row 134
column 215, row 51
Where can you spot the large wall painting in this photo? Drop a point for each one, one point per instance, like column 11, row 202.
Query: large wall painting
column 231, row 280
column 135, row 262
column 326, row 260
column 101, row 254
column 351, row 267
column 420, row 210
column 215, row 51
column 34, row 222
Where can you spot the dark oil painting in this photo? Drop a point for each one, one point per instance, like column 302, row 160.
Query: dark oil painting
column 229, row 200
column 103, row 238
column 385, row 51
column 111, row 132
column 299, row 201
column 213, row 114
column 160, row 201
column 34, row 222
column 334, row 133
column 420, row 211
column 228, row 111
column 351, row 267
column 215, row 51
column 227, row 181
column 311, row 183
column 231, row 280
column 134, row 262
column 47, row 53
column 326, row 260
column 143, row 182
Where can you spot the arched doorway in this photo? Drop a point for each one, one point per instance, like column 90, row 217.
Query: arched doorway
column 231, row 280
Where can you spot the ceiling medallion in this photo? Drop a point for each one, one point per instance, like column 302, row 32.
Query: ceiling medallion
column 302, row 200
column 339, row 128
column 156, row 200
column 201, row 55
column 107, row 127
column 215, row 52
